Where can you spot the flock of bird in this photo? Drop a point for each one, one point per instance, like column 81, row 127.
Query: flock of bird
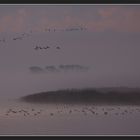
column 23, row 111
column 27, row 34
column 2, row 40
column 66, row 110
column 67, row 29
column 19, row 37
column 46, row 30
column 47, row 47
column 37, row 47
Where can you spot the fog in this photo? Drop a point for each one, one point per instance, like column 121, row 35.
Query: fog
column 38, row 40
column 113, row 61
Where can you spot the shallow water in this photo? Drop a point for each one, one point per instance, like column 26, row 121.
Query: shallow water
column 62, row 119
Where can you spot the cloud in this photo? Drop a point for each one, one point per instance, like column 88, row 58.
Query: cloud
column 36, row 69
column 97, row 19
column 14, row 21
column 116, row 19
column 60, row 68
column 106, row 13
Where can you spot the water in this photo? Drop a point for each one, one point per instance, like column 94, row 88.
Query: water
column 47, row 119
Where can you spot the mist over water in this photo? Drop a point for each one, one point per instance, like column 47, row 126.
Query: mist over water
column 110, row 64
column 108, row 46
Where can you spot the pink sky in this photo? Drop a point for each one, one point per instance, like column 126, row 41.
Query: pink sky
column 115, row 18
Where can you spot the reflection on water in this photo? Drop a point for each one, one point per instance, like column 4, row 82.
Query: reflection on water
column 18, row 118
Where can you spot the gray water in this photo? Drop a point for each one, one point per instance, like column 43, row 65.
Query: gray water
column 68, row 119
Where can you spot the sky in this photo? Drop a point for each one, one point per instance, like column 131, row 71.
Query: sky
column 109, row 46
column 97, row 18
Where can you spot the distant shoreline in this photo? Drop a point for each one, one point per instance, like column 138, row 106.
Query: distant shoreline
column 101, row 96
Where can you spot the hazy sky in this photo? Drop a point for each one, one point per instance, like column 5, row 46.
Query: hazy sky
column 97, row 18
column 110, row 46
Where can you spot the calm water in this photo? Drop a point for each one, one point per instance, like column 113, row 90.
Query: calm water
column 44, row 119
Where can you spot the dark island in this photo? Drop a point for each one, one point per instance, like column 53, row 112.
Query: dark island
column 95, row 96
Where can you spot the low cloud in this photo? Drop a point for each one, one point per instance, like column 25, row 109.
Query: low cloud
column 36, row 69
column 13, row 22
column 60, row 68
column 115, row 18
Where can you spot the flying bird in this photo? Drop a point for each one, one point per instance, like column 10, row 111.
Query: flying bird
column 46, row 47
column 58, row 47
column 36, row 48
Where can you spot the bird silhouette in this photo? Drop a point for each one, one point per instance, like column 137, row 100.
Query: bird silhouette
column 105, row 113
column 46, row 47
column 51, row 114
column 3, row 40
column 58, row 47
column 36, row 48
